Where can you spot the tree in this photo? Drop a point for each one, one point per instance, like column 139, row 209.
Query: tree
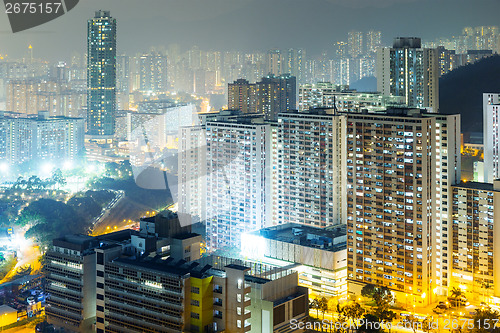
column 353, row 311
column 485, row 321
column 412, row 322
column 323, row 305
column 456, row 293
column 368, row 290
column 371, row 324
column 383, row 297
column 486, row 286
column 386, row 316
column 86, row 207
column 315, row 306
column 58, row 178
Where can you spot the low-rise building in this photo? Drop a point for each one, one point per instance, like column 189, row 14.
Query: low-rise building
column 319, row 255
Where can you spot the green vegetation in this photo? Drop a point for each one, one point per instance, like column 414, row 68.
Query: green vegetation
column 7, row 265
column 48, row 219
column 156, row 199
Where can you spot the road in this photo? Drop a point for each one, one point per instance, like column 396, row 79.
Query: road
column 122, row 214
column 20, row 329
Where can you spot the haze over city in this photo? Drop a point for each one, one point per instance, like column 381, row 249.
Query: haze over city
column 248, row 25
column 250, row 166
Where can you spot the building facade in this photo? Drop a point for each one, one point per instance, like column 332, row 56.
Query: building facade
column 241, row 96
column 400, row 168
column 319, row 255
column 238, row 178
column 101, row 75
column 328, row 95
column 275, row 94
column 41, row 139
column 491, row 134
column 411, row 71
column 311, row 168
column 153, row 73
column 474, row 241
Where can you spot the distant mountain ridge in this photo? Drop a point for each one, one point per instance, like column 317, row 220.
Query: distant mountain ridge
column 461, row 91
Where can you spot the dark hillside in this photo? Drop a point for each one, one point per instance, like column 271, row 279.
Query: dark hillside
column 461, row 91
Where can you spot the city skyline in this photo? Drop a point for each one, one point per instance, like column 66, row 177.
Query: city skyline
column 205, row 24
column 273, row 163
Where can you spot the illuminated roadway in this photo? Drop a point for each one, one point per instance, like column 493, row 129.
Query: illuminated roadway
column 124, row 213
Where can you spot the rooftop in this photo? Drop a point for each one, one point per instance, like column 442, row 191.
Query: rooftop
column 477, row 186
column 329, row 239
column 186, row 235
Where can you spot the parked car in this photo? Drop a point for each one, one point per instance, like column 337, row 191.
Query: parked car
column 439, row 310
column 442, row 305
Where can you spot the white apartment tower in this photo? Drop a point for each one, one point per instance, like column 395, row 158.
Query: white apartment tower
column 192, row 174
column 238, row 178
column 491, row 134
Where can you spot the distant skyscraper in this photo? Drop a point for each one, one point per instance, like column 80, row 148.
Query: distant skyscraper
column 491, row 134
column 295, row 65
column 153, row 72
column 101, row 75
column 275, row 62
column 241, row 96
column 408, row 70
column 276, row 94
column 122, row 81
column 355, row 43
column 373, row 41
column 54, row 140
column 445, row 59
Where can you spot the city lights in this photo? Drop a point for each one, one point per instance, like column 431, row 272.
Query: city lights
column 246, row 177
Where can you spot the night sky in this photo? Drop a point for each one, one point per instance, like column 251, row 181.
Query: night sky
column 248, row 24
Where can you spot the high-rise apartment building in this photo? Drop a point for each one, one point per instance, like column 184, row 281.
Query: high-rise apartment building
column 445, row 59
column 295, row 66
column 275, row 94
column 101, row 75
column 241, row 96
column 474, row 241
column 122, row 82
column 153, row 72
column 238, row 178
column 54, row 140
column 491, row 135
column 311, row 168
column 328, row 95
column 355, row 43
column 411, row 71
column 401, row 165
column 373, row 41
column 58, row 97
column 276, row 62
column 192, row 171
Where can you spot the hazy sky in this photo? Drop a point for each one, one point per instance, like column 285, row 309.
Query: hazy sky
column 249, row 24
